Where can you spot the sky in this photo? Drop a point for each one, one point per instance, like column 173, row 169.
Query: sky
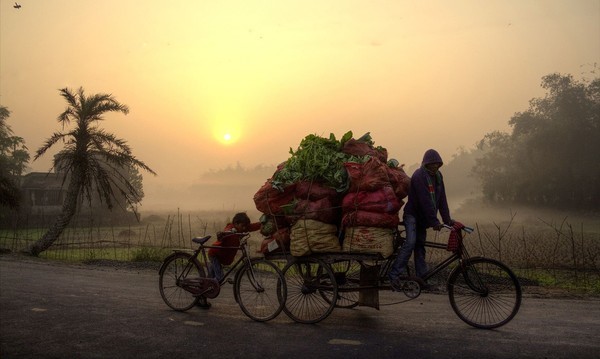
column 215, row 84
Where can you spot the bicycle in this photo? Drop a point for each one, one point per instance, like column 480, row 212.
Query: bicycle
column 483, row 292
column 258, row 285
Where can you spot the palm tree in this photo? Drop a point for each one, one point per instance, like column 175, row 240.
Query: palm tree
column 92, row 160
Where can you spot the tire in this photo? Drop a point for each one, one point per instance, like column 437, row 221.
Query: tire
column 171, row 273
column 311, row 290
column 347, row 277
column 484, row 293
column 260, row 290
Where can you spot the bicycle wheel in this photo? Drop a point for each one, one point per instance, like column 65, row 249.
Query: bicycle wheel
column 484, row 293
column 347, row 277
column 309, row 281
column 260, row 290
column 173, row 271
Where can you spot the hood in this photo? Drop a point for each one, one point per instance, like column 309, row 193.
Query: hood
column 431, row 156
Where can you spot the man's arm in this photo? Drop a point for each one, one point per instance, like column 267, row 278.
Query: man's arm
column 254, row 227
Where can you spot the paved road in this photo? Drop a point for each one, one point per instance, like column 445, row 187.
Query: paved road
column 53, row 310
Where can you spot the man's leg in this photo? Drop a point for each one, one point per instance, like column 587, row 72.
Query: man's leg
column 420, row 263
column 399, row 266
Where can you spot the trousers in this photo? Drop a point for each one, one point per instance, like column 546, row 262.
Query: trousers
column 215, row 269
column 415, row 242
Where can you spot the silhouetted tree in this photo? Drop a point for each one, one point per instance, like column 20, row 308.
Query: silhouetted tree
column 13, row 161
column 92, row 160
column 551, row 156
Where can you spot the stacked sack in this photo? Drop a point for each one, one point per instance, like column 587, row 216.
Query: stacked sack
column 328, row 187
column 371, row 206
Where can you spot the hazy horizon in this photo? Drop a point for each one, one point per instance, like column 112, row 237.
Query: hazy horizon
column 211, row 85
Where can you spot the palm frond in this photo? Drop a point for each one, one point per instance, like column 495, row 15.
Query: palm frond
column 56, row 136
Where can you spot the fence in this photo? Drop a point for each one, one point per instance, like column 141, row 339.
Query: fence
column 547, row 254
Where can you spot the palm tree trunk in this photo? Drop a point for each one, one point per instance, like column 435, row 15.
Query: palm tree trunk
column 68, row 211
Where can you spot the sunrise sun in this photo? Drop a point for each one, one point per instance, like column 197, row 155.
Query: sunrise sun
column 226, row 135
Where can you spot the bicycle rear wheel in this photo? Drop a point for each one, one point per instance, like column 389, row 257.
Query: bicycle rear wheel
column 311, row 290
column 484, row 293
column 347, row 277
column 260, row 290
column 175, row 269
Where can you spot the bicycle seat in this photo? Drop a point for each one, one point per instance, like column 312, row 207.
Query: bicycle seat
column 200, row 240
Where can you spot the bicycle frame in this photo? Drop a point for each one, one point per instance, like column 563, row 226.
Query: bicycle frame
column 459, row 255
column 259, row 286
column 243, row 260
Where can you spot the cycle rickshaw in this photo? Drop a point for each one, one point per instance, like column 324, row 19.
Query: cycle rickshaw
column 483, row 292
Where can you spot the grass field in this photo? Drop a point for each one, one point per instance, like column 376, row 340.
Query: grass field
column 551, row 253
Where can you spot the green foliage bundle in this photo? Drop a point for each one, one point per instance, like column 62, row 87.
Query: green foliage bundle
column 317, row 159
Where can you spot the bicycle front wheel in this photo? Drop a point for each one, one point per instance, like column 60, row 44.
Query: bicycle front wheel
column 260, row 290
column 312, row 290
column 174, row 271
column 484, row 293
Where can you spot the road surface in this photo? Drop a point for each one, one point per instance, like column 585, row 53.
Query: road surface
column 56, row 310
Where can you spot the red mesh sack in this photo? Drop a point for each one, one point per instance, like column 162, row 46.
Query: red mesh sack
column 269, row 200
column 383, row 200
column 314, row 190
column 360, row 148
column 399, row 180
column 368, row 176
column 323, row 210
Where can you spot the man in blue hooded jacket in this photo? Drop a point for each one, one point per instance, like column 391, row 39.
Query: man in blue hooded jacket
column 426, row 197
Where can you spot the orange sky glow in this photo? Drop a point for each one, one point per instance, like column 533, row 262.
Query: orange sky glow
column 211, row 84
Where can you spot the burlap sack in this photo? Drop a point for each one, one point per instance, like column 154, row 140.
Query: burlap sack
column 309, row 235
column 369, row 240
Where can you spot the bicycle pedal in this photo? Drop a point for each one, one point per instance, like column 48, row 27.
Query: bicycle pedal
column 410, row 286
column 411, row 289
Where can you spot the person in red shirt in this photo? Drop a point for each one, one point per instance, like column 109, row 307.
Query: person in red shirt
column 230, row 237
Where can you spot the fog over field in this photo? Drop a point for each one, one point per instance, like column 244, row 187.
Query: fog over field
column 218, row 92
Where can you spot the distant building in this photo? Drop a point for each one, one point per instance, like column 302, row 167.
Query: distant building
column 43, row 194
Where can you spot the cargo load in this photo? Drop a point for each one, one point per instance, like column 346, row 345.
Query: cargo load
column 328, row 187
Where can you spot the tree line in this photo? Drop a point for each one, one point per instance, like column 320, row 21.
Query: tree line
column 549, row 159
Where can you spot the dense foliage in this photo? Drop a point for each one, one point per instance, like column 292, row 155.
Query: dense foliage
column 316, row 158
column 551, row 157
column 13, row 161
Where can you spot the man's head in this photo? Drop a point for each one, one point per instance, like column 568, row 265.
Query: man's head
column 241, row 222
column 432, row 161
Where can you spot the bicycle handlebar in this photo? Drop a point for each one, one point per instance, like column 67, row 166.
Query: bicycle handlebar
column 465, row 228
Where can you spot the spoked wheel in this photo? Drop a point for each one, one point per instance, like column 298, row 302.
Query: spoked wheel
column 175, row 269
column 484, row 293
column 347, row 278
column 260, row 290
column 311, row 290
